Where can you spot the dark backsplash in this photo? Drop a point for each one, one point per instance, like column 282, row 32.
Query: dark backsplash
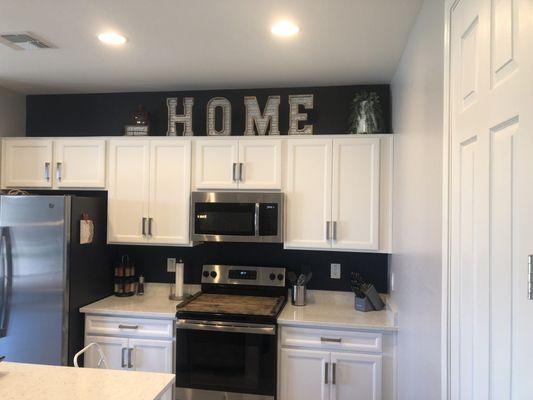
column 151, row 262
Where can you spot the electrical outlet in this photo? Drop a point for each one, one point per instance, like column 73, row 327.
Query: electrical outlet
column 335, row 271
column 171, row 265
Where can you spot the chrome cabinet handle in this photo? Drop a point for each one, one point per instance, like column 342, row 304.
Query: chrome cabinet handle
column 59, row 167
column 326, row 378
column 150, row 220
column 328, row 229
column 130, row 364
column 240, row 172
column 128, row 326
column 334, row 373
column 234, row 172
column 144, row 226
column 47, row 171
column 122, row 362
column 330, row 340
column 335, row 230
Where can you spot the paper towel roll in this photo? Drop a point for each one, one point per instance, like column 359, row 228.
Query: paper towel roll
column 179, row 279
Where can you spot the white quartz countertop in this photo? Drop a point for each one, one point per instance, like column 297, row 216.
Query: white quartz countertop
column 154, row 303
column 45, row 382
column 328, row 309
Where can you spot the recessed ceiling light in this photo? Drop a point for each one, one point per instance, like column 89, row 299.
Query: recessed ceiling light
column 112, row 38
column 285, row 28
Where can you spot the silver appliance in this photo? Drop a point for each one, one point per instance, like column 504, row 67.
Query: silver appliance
column 46, row 275
column 237, row 217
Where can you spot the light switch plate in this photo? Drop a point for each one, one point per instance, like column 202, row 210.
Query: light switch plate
column 335, row 271
column 171, row 265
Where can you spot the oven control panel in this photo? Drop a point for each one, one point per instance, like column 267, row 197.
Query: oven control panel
column 243, row 275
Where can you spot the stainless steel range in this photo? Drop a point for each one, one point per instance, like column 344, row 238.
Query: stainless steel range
column 226, row 342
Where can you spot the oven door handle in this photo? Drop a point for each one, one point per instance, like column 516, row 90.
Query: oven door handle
column 216, row 326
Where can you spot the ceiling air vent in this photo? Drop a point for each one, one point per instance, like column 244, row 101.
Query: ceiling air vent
column 24, row 41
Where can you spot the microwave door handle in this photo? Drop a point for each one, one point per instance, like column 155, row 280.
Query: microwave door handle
column 256, row 219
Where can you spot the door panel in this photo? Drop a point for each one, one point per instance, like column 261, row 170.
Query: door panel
column 308, row 193
column 261, row 164
column 79, row 163
column 114, row 349
column 214, row 163
column 303, row 375
column 356, row 376
column 355, row 194
column 27, row 163
column 128, row 190
column 151, row 355
column 170, row 171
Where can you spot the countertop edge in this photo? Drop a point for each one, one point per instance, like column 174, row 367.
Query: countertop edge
column 129, row 314
column 336, row 325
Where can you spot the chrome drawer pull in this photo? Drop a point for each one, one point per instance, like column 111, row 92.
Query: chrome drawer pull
column 128, row 326
column 330, row 340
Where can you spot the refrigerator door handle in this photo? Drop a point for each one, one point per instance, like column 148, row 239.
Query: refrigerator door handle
column 6, row 264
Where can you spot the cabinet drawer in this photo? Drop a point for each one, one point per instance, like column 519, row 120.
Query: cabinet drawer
column 369, row 342
column 134, row 327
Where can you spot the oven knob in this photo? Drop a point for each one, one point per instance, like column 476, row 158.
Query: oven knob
column 213, row 274
column 280, row 277
column 205, row 274
column 272, row 276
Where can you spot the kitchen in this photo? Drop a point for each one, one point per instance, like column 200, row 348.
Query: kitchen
column 189, row 219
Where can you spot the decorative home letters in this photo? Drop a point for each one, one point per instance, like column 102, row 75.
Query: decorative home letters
column 226, row 116
column 295, row 116
column 185, row 118
column 270, row 115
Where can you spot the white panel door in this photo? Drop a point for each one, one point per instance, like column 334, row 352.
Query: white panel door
column 215, row 164
column 308, row 193
column 355, row 194
column 491, row 187
column 260, row 164
column 27, row 163
column 151, row 355
column 115, row 350
column 304, row 375
column 128, row 192
column 79, row 163
column 356, row 376
column 170, row 183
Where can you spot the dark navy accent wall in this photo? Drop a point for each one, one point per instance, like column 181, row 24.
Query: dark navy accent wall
column 151, row 262
column 105, row 114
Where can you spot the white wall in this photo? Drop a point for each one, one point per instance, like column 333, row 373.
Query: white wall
column 12, row 113
column 417, row 93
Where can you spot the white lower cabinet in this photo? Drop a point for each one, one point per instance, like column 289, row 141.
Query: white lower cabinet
column 317, row 373
column 129, row 344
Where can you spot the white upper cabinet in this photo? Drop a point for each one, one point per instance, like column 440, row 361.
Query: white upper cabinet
column 237, row 164
column 149, row 190
column 355, row 194
column 259, row 164
column 79, row 163
column 333, row 194
column 308, row 193
column 27, row 163
column 216, row 164
column 170, row 186
column 128, row 194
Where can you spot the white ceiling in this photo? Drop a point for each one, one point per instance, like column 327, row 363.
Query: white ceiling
column 203, row 44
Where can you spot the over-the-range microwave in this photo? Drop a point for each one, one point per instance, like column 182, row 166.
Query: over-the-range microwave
column 237, row 217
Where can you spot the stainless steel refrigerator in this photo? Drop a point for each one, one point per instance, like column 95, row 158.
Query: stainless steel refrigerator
column 46, row 275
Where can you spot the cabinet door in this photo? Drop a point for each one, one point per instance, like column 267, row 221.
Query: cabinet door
column 115, row 350
column 355, row 194
column 170, row 182
column 27, row 163
column 260, row 164
column 308, row 193
column 355, row 376
column 79, row 163
column 304, row 375
column 128, row 194
column 215, row 160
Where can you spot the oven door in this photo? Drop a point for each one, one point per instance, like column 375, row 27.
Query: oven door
column 226, row 357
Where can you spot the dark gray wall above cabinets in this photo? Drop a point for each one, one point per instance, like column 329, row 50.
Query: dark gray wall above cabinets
column 151, row 262
column 106, row 114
